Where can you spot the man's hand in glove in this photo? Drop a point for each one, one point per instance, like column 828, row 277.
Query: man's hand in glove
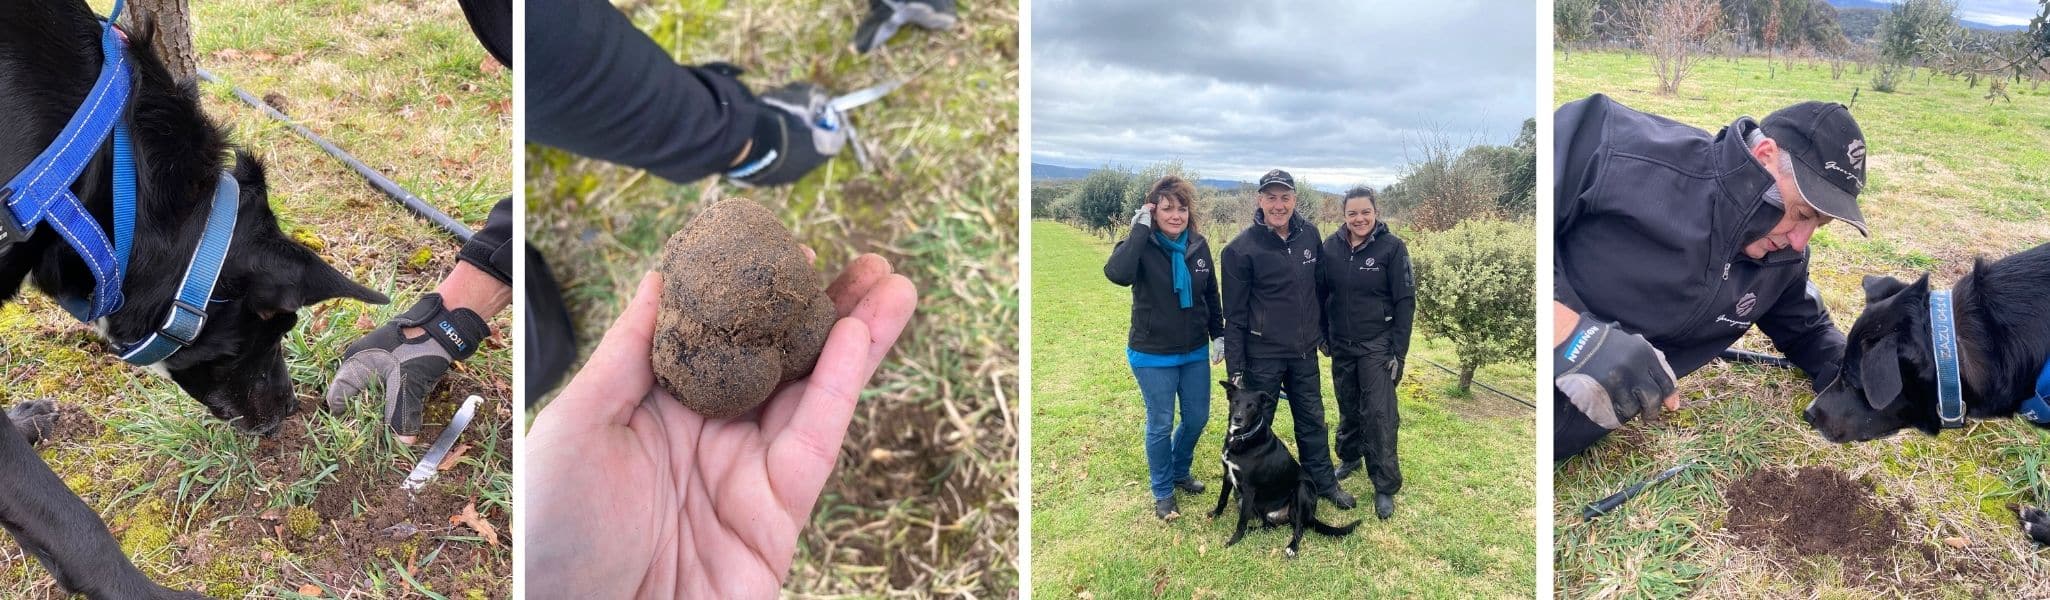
column 796, row 133
column 1395, row 370
column 406, row 368
column 1612, row 375
column 886, row 16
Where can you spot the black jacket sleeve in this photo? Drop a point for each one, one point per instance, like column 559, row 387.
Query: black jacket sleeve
column 1238, row 281
column 1215, row 326
column 1404, row 295
column 1576, row 139
column 1123, row 267
column 601, row 88
column 1800, row 326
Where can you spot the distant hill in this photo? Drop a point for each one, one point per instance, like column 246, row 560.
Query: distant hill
column 1046, row 172
column 1845, row 8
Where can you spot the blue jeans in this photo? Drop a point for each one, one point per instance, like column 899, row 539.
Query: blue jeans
column 1169, row 449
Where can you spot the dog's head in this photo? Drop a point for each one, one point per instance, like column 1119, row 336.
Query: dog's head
column 1888, row 379
column 236, row 366
column 1246, row 406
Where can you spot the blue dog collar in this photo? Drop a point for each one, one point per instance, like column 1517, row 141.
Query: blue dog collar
column 2036, row 409
column 1950, row 396
column 188, row 309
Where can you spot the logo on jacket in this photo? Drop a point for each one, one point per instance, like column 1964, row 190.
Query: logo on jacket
column 1746, row 304
column 1370, row 261
column 1306, row 254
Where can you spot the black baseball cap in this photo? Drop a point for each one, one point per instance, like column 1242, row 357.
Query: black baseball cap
column 1829, row 156
column 1274, row 177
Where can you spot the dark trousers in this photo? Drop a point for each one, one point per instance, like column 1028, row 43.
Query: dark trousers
column 1367, row 419
column 1298, row 377
column 1572, row 431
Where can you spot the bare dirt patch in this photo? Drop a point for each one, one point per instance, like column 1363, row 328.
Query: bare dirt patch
column 1816, row 511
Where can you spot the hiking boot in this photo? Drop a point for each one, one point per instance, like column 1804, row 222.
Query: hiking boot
column 1384, row 506
column 1165, row 509
column 1340, row 499
column 1347, row 468
column 1189, row 485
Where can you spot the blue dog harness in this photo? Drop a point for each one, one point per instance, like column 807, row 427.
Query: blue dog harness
column 41, row 193
column 1950, row 398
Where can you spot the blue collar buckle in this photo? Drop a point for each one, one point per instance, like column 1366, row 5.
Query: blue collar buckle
column 2036, row 409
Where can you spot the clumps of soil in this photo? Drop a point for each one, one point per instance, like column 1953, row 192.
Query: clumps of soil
column 742, row 311
column 1815, row 511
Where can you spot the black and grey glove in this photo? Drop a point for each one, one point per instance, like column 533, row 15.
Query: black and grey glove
column 1610, row 374
column 407, row 368
column 1395, row 369
column 796, row 133
column 1142, row 217
column 886, row 16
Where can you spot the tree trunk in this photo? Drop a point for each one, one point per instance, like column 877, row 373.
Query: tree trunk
column 172, row 22
column 1466, row 378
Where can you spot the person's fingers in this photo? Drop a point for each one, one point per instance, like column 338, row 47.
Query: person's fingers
column 617, row 375
column 1672, row 403
column 810, row 256
column 885, row 310
column 853, row 284
column 802, row 454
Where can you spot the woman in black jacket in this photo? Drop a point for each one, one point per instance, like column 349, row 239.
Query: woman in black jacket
column 1369, row 302
column 1175, row 315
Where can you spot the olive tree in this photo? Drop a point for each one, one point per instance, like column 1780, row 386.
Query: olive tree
column 1474, row 288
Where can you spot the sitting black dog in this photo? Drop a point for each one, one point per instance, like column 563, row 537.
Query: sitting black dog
column 1271, row 485
column 1889, row 378
column 49, row 57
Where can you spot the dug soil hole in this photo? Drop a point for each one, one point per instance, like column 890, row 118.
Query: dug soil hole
column 1812, row 512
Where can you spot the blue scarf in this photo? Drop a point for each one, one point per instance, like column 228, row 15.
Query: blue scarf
column 1177, row 251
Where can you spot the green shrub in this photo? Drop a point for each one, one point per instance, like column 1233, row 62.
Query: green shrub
column 1476, row 286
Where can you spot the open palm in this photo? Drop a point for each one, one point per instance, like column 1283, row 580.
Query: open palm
column 628, row 493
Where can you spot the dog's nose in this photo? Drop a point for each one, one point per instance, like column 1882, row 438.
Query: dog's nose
column 1813, row 418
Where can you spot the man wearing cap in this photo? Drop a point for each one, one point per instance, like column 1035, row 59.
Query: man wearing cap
column 1669, row 243
column 1273, row 321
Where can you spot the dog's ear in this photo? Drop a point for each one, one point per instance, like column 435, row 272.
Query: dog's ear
column 1228, row 387
column 1881, row 287
column 1880, row 373
column 305, row 280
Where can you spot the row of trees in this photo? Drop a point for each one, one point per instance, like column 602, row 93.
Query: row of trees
column 1466, row 213
column 1913, row 34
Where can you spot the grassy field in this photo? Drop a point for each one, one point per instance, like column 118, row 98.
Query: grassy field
column 406, row 88
column 924, row 502
column 1464, row 521
column 1952, row 176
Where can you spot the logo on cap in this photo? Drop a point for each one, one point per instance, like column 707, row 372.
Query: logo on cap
column 1857, row 152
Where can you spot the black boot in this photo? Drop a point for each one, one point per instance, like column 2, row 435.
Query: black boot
column 1384, row 506
column 1340, row 499
column 1189, row 485
column 1165, row 508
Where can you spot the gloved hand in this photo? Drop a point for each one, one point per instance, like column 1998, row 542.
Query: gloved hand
column 1610, row 374
column 886, row 16
column 407, row 369
column 1395, row 370
column 1217, row 351
column 1143, row 216
column 796, row 133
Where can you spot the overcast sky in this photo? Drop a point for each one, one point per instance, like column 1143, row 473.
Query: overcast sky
column 1331, row 91
column 1998, row 12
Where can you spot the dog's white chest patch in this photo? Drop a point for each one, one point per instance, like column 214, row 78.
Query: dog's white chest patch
column 1231, row 471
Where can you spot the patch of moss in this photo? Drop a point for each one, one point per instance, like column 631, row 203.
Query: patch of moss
column 305, row 235
column 302, row 521
column 421, row 258
column 146, row 529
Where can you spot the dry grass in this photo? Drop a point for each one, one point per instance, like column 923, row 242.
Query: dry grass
column 925, row 500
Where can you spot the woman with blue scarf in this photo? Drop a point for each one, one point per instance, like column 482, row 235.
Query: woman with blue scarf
column 1175, row 315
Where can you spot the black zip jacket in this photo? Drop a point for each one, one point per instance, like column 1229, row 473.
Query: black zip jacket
column 1649, row 226
column 1369, row 293
column 1270, row 293
column 1159, row 323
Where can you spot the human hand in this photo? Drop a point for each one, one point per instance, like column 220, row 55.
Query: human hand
column 407, row 366
column 631, row 494
column 1143, row 216
column 801, row 141
column 1217, row 351
column 1613, row 375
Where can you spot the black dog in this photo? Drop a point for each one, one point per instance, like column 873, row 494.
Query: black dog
column 49, row 56
column 1271, row 485
column 1888, row 382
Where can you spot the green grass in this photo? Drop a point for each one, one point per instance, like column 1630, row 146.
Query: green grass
column 924, row 501
column 1464, row 524
column 200, row 507
column 1952, row 177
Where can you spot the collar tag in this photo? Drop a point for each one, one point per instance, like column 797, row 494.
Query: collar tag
column 1950, row 397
